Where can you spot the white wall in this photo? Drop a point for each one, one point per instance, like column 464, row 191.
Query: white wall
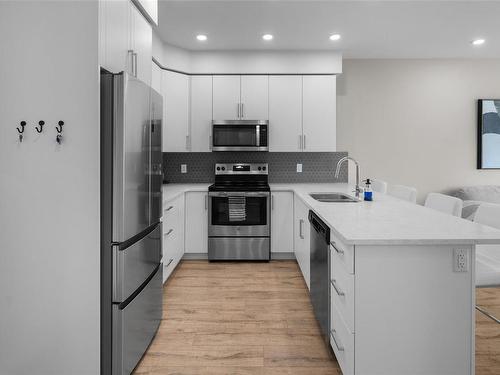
column 240, row 62
column 49, row 195
column 414, row 122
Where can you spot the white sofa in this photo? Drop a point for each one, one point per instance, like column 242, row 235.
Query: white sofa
column 473, row 196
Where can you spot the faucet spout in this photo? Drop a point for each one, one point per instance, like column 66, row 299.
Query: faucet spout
column 337, row 172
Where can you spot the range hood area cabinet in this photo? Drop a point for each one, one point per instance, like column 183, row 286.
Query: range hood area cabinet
column 301, row 109
column 242, row 97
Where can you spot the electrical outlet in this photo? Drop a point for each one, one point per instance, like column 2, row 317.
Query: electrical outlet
column 460, row 260
column 299, row 168
column 184, row 168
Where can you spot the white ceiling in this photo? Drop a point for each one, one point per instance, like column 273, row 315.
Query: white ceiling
column 369, row 29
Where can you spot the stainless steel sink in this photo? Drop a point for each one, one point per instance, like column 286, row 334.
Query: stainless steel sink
column 333, row 197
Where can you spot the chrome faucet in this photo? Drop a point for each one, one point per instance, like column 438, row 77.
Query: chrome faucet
column 337, row 172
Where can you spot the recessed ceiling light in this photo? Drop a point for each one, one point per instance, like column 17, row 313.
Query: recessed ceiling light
column 267, row 37
column 478, row 42
column 201, row 37
column 335, row 37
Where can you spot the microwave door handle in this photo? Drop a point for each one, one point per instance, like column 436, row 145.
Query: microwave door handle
column 257, row 135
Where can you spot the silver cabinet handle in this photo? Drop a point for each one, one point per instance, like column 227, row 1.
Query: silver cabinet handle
column 209, row 142
column 206, row 202
column 304, row 141
column 136, row 65
column 238, row 109
column 242, row 110
column 337, row 289
column 300, row 142
column 169, row 208
column 170, row 261
column 272, row 202
column 341, row 252
column 338, row 344
column 301, row 235
column 130, row 54
column 169, row 231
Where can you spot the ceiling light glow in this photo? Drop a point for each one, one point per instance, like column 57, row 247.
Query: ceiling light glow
column 201, row 37
column 478, row 42
column 335, row 37
column 267, row 37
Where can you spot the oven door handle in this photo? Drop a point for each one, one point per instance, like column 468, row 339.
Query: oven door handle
column 238, row 194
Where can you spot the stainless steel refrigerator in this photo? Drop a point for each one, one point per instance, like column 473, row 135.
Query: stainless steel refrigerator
column 131, row 201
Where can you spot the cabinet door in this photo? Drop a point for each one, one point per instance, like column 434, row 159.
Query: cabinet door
column 285, row 113
column 254, row 97
column 142, row 45
column 156, row 77
column 319, row 113
column 282, row 222
column 226, row 97
column 201, row 113
column 302, row 236
column 173, row 235
column 115, row 38
column 175, row 90
column 196, row 222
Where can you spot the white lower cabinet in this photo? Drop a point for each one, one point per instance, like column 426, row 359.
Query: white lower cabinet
column 173, row 235
column 282, row 222
column 342, row 342
column 196, row 241
column 302, row 246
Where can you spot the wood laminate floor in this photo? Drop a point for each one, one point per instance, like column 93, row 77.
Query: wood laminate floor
column 256, row 319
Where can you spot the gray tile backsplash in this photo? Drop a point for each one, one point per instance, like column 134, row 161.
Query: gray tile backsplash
column 316, row 166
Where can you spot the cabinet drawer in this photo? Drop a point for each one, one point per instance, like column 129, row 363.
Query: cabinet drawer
column 342, row 292
column 170, row 216
column 342, row 342
column 343, row 253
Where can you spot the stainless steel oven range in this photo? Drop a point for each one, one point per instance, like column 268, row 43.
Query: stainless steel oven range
column 239, row 213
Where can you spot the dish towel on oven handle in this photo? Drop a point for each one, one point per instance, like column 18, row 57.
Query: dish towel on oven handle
column 237, row 208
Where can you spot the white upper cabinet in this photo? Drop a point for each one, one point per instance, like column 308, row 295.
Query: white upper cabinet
column 115, row 36
column 240, row 97
column 126, row 39
column 285, row 113
column 226, row 97
column 254, row 97
column 175, row 91
column 319, row 113
column 201, row 113
column 142, row 46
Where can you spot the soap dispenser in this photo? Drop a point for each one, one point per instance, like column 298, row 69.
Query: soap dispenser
column 368, row 190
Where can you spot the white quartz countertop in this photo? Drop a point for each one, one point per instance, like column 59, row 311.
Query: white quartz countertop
column 384, row 221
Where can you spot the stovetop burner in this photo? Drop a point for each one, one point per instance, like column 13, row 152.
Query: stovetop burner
column 241, row 177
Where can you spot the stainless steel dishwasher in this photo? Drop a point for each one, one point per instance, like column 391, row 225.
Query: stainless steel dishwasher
column 320, row 269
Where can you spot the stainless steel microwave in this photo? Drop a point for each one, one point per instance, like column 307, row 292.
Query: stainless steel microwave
column 240, row 135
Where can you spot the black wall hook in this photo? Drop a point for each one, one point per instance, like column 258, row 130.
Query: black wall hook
column 21, row 131
column 60, row 124
column 23, row 124
column 41, row 123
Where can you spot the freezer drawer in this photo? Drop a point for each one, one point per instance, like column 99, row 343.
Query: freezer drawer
column 238, row 248
column 133, row 265
column 135, row 325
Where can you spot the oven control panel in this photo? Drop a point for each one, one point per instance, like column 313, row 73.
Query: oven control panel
column 242, row 168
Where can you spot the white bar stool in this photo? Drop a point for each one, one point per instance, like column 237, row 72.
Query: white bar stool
column 444, row 203
column 406, row 193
